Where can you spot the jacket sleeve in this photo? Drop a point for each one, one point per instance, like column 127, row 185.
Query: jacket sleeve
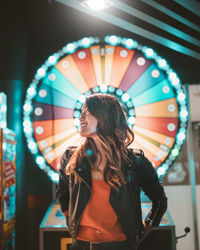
column 62, row 191
column 151, row 186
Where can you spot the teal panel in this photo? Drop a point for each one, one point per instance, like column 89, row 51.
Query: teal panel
column 62, row 85
column 145, row 81
column 154, row 94
column 54, row 97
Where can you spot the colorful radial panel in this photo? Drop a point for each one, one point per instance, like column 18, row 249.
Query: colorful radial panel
column 148, row 89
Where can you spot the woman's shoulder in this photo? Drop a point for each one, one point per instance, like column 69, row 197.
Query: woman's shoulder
column 138, row 158
column 135, row 153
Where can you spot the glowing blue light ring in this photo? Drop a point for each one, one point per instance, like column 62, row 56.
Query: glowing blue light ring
column 71, row 48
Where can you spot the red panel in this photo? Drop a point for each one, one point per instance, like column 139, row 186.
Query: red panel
column 86, row 67
column 159, row 125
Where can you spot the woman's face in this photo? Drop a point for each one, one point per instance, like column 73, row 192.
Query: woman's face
column 88, row 123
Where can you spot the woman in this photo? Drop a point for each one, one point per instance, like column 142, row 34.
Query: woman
column 100, row 182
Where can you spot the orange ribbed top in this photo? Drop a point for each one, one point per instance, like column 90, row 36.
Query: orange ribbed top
column 99, row 222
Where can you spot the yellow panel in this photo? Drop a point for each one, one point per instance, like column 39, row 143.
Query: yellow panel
column 108, row 62
column 96, row 58
column 160, row 138
column 158, row 109
column 69, row 69
column 49, row 141
column 151, row 147
column 57, row 152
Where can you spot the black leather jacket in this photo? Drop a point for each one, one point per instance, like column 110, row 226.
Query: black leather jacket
column 139, row 174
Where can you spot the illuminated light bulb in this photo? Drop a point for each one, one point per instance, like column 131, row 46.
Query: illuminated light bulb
column 86, row 41
column 161, row 171
column 96, row 5
column 38, row 111
column 172, row 75
column 119, row 92
column 129, row 43
column 70, row 47
column 129, row 104
column 43, row 93
column 155, row 73
column 171, row 108
column 141, row 61
column 175, row 81
column 175, row 152
column 165, row 89
column 181, row 97
column 131, row 112
column 55, row 177
column 41, row 72
column 76, row 122
column 28, row 130
column 149, row 52
column 31, row 91
column 27, row 107
column 39, row 130
column 162, row 63
column 113, row 39
column 184, row 113
column 171, row 127
column 76, row 113
column 40, row 160
column 111, row 89
column 78, row 105
column 52, row 77
column 125, row 97
column 82, row 55
column 103, row 87
column 32, row 145
column 26, row 123
column 95, row 89
column 181, row 136
column 52, row 59
column 82, row 98
column 131, row 120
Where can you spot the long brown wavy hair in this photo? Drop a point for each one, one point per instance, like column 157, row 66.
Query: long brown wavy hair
column 114, row 135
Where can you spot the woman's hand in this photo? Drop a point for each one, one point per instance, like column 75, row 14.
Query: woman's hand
column 147, row 230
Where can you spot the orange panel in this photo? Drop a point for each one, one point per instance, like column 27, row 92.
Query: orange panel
column 96, row 58
column 69, row 69
column 158, row 109
column 55, row 139
column 121, row 61
column 108, row 62
column 51, row 127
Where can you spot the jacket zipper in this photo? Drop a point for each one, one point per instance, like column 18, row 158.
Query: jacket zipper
column 86, row 203
column 151, row 221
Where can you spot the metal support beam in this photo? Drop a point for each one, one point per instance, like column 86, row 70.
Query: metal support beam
column 191, row 5
column 172, row 14
column 132, row 28
column 155, row 22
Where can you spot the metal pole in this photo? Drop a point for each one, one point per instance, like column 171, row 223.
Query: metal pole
column 191, row 161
